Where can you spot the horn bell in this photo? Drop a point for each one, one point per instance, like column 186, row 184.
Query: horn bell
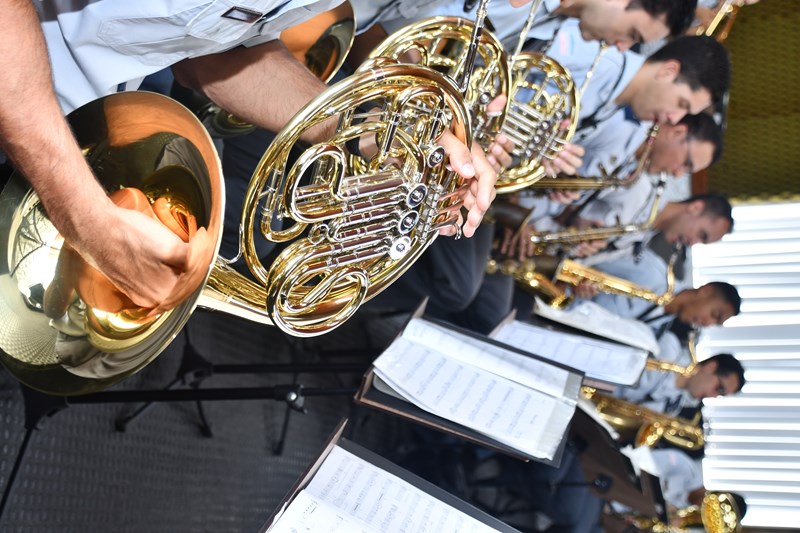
column 64, row 345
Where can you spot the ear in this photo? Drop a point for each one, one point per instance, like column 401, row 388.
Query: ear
column 711, row 367
column 668, row 70
column 679, row 131
column 696, row 207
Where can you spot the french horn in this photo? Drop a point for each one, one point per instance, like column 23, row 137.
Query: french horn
column 449, row 45
column 346, row 235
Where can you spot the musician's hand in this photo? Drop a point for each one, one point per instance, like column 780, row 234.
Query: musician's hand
column 476, row 169
column 565, row 197
column 517, row 244
column 568, row 161
column 585, row 290
column 499, row 152
column 587, row 248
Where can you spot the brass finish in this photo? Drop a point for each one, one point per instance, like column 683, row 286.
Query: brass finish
column 138, row 140
column 640, row 425
column 664, row 366
column 445, row 44
column 607, row 179
column 352, row 233
column 720, row 513
column 720, row 26
column 545, row 276
column 543, row 96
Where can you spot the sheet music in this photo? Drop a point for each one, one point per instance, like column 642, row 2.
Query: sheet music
column 593, row 318
column 524, row 370
column 599, row 360
column 526, row 419
column 349, row 494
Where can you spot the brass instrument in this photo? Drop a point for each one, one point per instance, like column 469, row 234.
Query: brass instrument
column 445, row 45
column 640, row 425
column 542, row 96
column 540, row 275
column 321, row 43
column 664, row 366
column 721, row 24
column 347, row 235
column 608, row 179
column 572, row 236
column 718, row 513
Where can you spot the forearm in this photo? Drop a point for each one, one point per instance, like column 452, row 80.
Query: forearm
column 33, row 131
column 263, row 85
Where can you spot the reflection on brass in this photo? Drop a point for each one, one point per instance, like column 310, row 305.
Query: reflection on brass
column 444, row 44
column 645, row 427
column 64, row 329
column 548, row 277
column 718, row 513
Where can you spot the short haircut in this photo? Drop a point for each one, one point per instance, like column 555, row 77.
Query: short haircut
column 703, row 128
column 679, row 14
column 705, row 64
column 727, row 364
column 740, row 503
column 727, row 292
column 715, row 205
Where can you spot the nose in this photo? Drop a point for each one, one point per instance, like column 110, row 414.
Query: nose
column 624, row 46
column 674, row 117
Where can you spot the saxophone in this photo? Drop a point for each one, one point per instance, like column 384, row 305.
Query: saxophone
column 641, row 426
column 718, row 513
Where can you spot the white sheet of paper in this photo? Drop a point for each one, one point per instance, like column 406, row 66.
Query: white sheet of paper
column 349, row 494
column 598, row 359
column 524, row 370
column 528, row 420
column 593, row 318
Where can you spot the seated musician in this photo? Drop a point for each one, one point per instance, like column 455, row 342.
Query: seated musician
column 621, row 24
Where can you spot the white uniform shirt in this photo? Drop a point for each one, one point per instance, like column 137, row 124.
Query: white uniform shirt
column 109, row 45
column 508, row 21
column 679, row 475
column 657, row 390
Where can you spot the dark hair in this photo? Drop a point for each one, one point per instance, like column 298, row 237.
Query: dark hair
column 740, row 504
column 679, row 13
column 727, row 292
column 715, row 205
column 727, row 364
column 705, row 64
column 703, row 128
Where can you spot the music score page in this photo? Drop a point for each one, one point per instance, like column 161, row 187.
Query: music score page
column 478, row 389
column 350, row 495
column 604, row 361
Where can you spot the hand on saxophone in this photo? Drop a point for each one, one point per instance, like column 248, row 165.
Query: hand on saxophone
column 518, row 244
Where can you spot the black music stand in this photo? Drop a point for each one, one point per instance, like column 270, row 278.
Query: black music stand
column 602, row 460
column 193, row 371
